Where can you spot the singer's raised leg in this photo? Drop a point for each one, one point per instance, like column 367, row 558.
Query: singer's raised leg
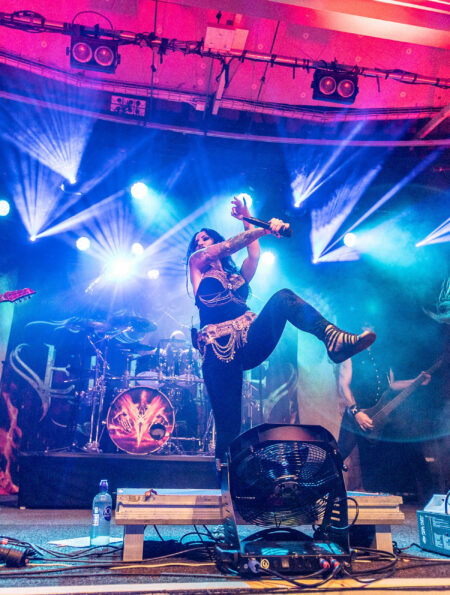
column 284, row 306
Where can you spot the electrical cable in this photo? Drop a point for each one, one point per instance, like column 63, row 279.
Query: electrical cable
column 295, row 582
column 93, row 12
column 158, row 533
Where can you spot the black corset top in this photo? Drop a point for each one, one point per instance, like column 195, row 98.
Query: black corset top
column 221, row 296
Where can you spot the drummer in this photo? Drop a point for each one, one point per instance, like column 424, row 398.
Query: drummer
column 174, row 355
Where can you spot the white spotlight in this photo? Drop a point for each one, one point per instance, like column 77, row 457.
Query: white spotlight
column 5, row 207
column 139, row 190
column 120, row 268
column 350, row 240
column 83, row 243
column 267, row 258
column 33, row 238
column 137, row 249
column 153, row 274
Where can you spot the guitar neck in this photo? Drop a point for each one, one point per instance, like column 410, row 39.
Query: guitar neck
column 396, row 401
column 404, row 394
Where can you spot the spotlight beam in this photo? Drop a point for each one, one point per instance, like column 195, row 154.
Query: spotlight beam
column 76, row 220
column 326, row 221
column 392, row 192
column 153, row 248
column 53, row 137
column 438, row 236
column 318, row 177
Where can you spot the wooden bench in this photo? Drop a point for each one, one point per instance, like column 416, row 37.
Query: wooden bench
column 137, row 508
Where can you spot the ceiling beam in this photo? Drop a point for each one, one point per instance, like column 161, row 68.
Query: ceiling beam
column 434, row 122
column 427, row 23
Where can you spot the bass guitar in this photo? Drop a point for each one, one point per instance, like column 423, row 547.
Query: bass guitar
column 15, row 296
column 380, row 412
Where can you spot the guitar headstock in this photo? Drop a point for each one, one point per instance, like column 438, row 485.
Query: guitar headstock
column 17, row 295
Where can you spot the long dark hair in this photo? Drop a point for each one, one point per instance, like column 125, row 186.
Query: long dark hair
column 228, row 264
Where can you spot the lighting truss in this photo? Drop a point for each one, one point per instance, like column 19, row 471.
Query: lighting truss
column 33, row 22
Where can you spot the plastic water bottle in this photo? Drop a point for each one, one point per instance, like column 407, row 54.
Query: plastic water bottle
column 101, row 515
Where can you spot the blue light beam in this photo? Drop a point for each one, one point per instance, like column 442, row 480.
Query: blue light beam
column 438, row 236
column 392, row 192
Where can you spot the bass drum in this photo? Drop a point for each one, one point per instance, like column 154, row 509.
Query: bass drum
column 140, row 420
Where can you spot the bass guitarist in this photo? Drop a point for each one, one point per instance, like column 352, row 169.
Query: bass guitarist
column 362, row 383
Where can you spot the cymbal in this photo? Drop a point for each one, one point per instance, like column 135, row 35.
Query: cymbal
column 137, row 323
column 88, row 325
column 134, row 347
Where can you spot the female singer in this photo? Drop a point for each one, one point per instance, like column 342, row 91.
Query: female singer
column 231, row 337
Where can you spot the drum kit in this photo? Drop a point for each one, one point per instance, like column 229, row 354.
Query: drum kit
column 156, row 403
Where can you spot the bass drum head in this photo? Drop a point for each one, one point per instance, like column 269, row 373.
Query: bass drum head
column 140, row 420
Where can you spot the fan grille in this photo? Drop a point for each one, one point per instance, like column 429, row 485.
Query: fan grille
column 284, row 483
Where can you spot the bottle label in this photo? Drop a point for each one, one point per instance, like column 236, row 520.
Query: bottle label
column 95, row 517
column 107, row 513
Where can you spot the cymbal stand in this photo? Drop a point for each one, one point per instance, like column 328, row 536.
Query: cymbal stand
column 209, row 437
column 98, row 397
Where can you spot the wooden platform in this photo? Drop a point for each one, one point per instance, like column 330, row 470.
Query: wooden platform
column 137, row 508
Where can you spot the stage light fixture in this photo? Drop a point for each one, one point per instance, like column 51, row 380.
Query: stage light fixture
column 139, row 190
column 83, row 243
column 153, row 274
column 5, row 207
column 350, row 240
column 71, row 187
column 91, row 52
column 336, row 86
column 267, row 258
column 120, row 268
column 137, row 249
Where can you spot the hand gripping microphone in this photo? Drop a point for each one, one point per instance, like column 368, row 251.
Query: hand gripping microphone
column 284, row 231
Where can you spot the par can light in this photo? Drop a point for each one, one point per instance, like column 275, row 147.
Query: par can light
column 104, row 56
column 82, row 52
column 336, row 86
column 91, row 52
column 327, row 85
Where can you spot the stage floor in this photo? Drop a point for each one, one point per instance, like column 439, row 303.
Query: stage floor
column 192, row 572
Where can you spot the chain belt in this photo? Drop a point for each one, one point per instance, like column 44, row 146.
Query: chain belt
column 237, row 330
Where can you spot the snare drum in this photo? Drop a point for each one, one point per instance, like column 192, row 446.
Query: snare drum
column 140, row 420
column 150, row 378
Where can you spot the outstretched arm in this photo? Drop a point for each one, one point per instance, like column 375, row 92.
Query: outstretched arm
column 201, row 259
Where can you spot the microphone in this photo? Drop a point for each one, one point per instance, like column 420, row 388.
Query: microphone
column 284, row 231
